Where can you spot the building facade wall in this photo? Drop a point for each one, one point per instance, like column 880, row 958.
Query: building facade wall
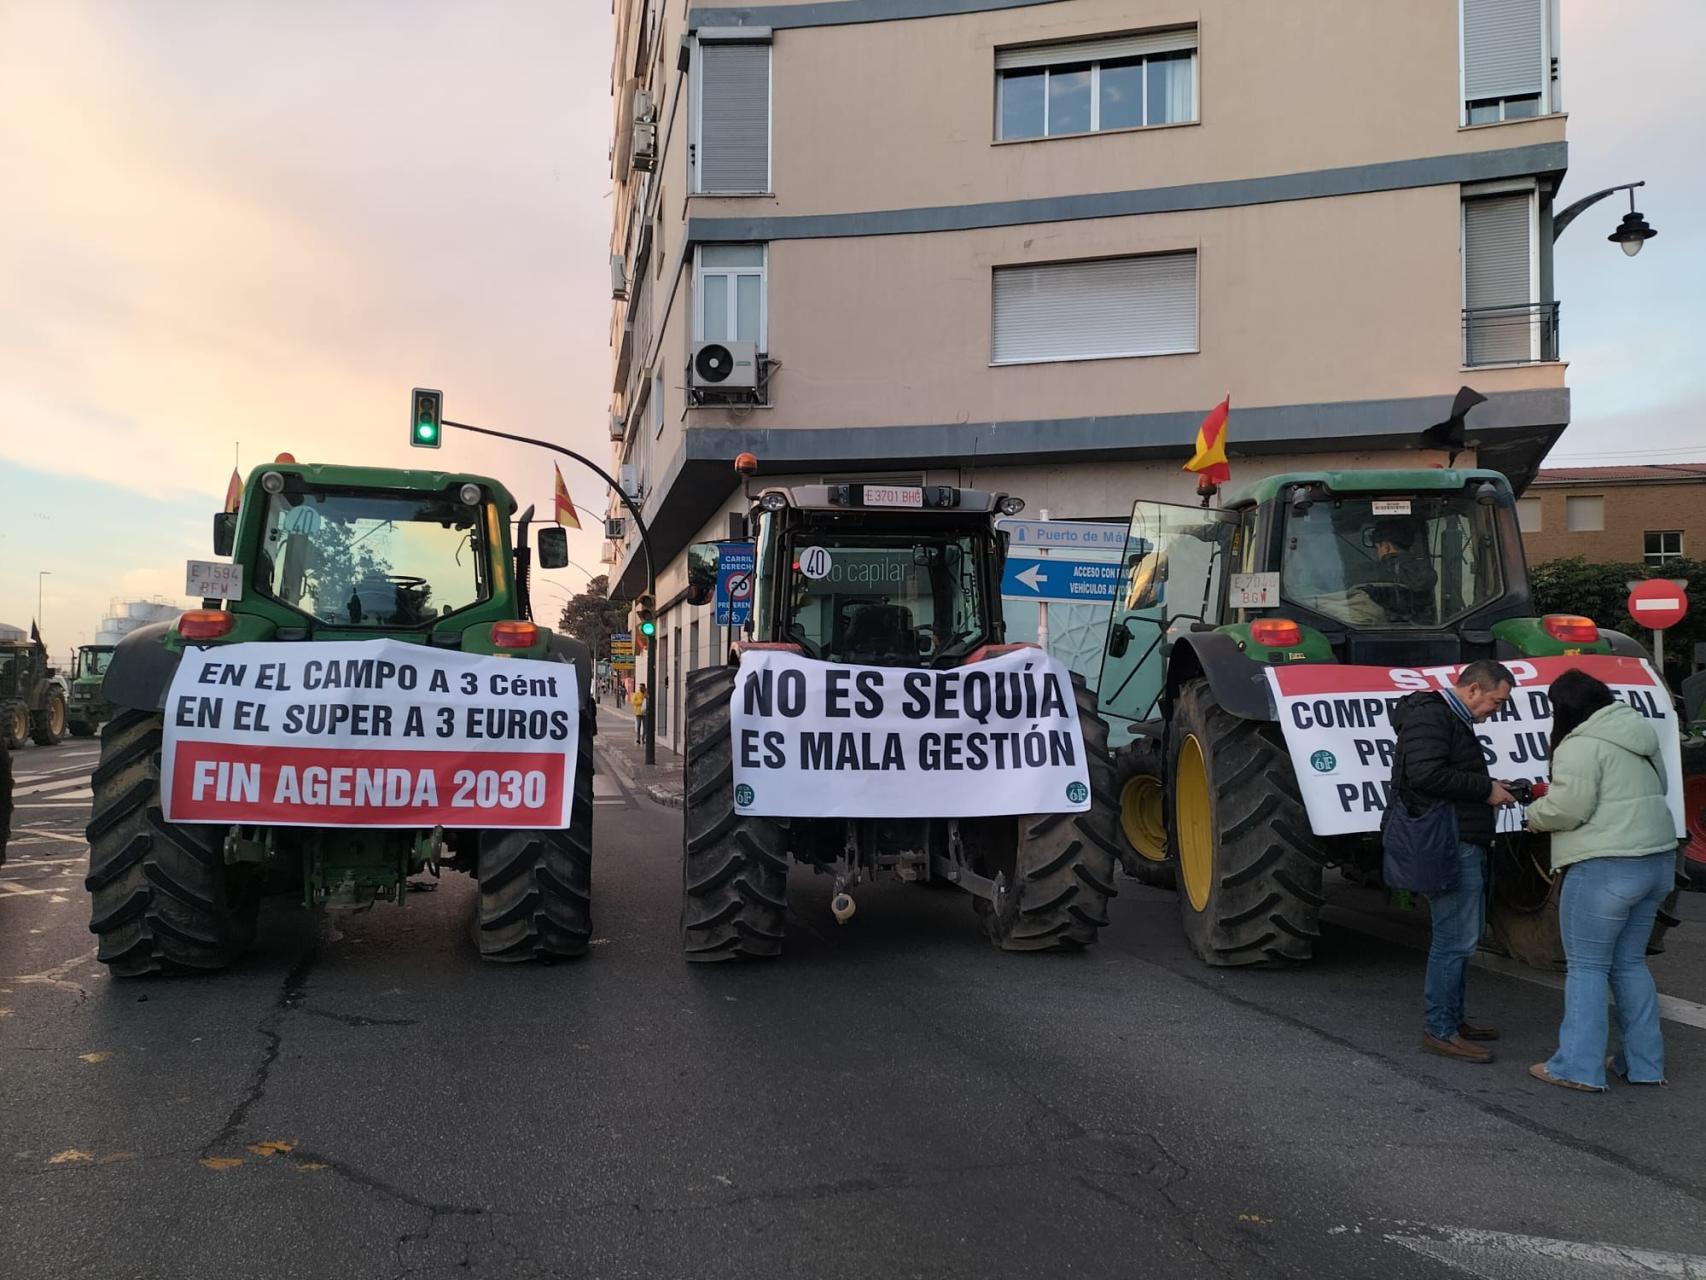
column 1320, row 186
column 1631, row 511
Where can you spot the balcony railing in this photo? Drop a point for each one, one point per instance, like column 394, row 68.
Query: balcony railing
column 1524, row 334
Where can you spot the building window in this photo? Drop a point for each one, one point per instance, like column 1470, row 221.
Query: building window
column 731, row 137
column 1123, row 82
column 728, row 293
column 1510, row 60
column 1095, row 310
column 1584, row 515
column 1664, row 546
column 1502, row 321
column 1528, row 515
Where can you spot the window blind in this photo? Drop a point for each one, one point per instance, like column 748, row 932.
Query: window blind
column 734, row 125
column 1496, row 232
column 1099, row 50
column 1082, row 310
column 1503, row 47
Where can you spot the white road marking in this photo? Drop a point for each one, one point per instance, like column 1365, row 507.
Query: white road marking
column 17, row 890
column 1491, row 1255
column 78, row 783
column 1672, row 1008
column 52, row 835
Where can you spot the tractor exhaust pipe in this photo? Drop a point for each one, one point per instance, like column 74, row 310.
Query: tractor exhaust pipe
column 842, row 907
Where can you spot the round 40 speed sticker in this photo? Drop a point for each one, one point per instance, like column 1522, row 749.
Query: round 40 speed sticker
column 814, row 562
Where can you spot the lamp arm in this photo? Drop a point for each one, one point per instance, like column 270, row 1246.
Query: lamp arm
column 1568, row 215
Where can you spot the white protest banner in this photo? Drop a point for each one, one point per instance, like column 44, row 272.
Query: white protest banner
column 368, row 733
column 826, row 740
column 1338, row 730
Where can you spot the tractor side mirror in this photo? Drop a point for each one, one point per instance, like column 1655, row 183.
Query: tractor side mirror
column 224, row 532
column 1119, row 640
column 702, row 563
column 553, row 548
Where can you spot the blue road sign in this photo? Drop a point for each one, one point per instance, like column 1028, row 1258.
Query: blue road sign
column 1079, row 581
column 735, row 565
column 1063, row 535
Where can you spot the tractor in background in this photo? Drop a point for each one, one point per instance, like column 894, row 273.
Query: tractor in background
column 1400, row 568
column 32, row 695
column 87, row 709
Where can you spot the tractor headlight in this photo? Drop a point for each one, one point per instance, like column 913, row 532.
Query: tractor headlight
column 773, row 501
column 1011, row 506
column 470, row 495
column 272, row 482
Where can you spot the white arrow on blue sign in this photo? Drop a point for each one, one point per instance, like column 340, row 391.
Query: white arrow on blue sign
column 1080, row 581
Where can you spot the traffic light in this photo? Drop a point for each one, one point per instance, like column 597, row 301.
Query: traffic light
column 426, row 423
column 645, row 627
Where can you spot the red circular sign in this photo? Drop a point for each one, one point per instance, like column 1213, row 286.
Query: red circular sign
column 1658, row 604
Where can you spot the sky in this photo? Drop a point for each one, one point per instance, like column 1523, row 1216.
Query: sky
column 241, row 227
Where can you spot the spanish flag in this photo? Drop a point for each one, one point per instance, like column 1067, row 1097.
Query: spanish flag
column 233, row 492
column 1210, row 460
column 565, row 508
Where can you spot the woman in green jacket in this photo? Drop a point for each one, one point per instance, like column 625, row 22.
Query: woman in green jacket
column 1613, row 831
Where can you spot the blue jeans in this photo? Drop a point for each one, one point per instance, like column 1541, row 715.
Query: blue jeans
column 1606, row 914
column 1456, row 918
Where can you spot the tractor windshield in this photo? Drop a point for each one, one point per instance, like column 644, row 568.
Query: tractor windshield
column 897, row 600
column 1373, row 562
column 372, row 559
column 94, row 662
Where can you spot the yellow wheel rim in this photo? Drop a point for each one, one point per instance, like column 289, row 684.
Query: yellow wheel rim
column 1194, row 817
column 1141, row 819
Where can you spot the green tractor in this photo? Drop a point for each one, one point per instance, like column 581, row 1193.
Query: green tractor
column 334, row 553
column 87, row 708
column 32, row 695
column 1401, row 568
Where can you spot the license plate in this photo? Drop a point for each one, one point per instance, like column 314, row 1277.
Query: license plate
column 213, row 580
column 894, row 495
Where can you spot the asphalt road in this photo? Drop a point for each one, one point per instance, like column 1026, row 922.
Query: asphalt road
column 893, row 1098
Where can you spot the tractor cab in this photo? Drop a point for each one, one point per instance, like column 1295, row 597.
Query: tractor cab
column 879, row 574
column 1381, row 568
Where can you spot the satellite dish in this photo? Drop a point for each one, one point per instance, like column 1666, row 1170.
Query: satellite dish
column 713, row 362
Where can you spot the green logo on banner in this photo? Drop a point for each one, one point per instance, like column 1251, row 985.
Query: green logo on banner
column 1324, row 761
column 1077, row 793
column 743, row 796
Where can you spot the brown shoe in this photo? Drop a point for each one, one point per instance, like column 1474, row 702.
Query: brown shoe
column 1456, row 1047
column 1477, row 1030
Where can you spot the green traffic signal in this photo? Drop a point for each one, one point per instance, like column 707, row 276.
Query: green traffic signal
column 428, row 418
column 648, row 627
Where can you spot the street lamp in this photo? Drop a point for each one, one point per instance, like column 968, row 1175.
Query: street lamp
column 40, row 574
column 1633, row 232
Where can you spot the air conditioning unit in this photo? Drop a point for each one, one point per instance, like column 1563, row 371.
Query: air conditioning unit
column 618, row 278
column 630, row 481
column 645, row 146
column 618, row 426
column 643, row 108
column 724, row 366
column 615, row 528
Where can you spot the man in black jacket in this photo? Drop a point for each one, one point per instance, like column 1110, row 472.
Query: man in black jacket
column 1442, row 761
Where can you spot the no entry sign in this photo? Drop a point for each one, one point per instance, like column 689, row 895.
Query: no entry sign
column 1658, row 603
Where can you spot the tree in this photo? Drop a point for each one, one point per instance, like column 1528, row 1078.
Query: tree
column 1601, row 592
column 594, row 616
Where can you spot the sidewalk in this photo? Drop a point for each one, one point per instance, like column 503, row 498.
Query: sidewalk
column 661, row 781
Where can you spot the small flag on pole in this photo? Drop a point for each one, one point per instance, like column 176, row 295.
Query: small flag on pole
column 565, row 508
column 1210, row 462
column 233, row 492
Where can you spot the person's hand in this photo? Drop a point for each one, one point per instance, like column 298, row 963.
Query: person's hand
column 1499, row 796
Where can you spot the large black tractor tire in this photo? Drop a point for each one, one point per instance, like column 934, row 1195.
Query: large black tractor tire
column 1063, row 868
column 734, row 893
column 1249, row 864
column 47, row 726
column 1522, row 908
column 15, row 724
column 536, row 884
column 80, row 728
column 1141, row 799
column 163, row 899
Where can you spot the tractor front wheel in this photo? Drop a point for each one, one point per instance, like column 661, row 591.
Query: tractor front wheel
column 1249, row 865
column 16, row 725
column 162, row 898
column 1139, row 767
column 734, row 892
column 1063, row 869
column 536, row 884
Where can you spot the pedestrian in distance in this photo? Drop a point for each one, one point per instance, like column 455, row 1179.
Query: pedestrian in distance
column 637, row 700
column 1614, row 838
column 1439, row 761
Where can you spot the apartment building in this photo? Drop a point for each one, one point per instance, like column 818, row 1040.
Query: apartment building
column 1027, row 246
column 1653, row 514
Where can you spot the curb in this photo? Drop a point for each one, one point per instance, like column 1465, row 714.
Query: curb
column 663, row 795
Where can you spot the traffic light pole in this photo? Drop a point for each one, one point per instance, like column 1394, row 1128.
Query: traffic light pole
column 648, row 717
